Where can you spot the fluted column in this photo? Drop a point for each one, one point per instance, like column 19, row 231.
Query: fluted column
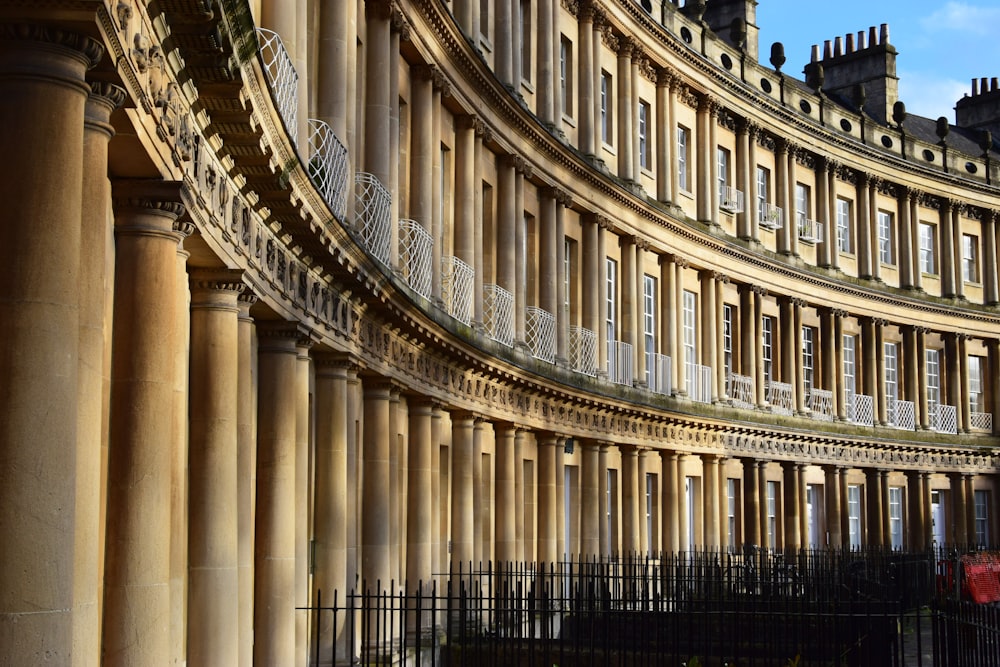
column 669, row 507
column 590, row 532
column 330, row 524
column 142, row 443
column 506, row 517
column 45, row 592
column 462, row 516
column 831, row 488
column 274, row 552
column 246, row 470
column 751, row 502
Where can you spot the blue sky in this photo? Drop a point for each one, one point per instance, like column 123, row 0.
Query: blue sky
column 942, row 45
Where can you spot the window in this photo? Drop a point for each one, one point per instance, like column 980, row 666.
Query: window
column 896, row 516
column 772, row 515
column 727, row 338
column 611, row 299
column 767, row 327
column 644, row 153
column 844, row 225
column 976, row 399
column 885, row 253
column 854, row 515
column 808, row 336
column 927, row 253
column 890, row 352
column 682, row 158
column 970, row 258
column 690, row 342
column 982, row 500
column 607, row 115
column 732, row 493
column 722, row 170
column 649, row 320
column 849, row 371
column 566, row 74
column 763, row 187
column 526, row 50
column 932, row 360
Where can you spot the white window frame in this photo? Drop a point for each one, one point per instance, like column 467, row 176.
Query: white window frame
column 844, row 207
column 928, row 254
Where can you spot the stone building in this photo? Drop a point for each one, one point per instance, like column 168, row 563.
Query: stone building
column 298, row 295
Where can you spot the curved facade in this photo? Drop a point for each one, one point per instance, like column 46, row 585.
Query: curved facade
column 301, row 295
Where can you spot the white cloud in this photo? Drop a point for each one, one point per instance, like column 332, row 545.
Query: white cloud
column 931, row 96
column 963, row 17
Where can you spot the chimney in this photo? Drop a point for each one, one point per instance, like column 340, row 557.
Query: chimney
column 871, row 63
column 981, row 110
column 719, row 15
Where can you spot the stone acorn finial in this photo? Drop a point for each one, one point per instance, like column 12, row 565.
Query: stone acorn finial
column 738, row 32
column 777, row 55
column 899, row 112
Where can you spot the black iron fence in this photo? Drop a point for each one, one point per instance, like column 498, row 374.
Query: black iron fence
column 707, row 608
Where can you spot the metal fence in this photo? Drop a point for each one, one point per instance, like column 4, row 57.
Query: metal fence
column 749, row 607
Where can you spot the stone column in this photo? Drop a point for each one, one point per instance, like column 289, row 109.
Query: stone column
column 590, row 532
column 547, row 541
column 274, row 562
column 831, row 487
column 669, row 502
column 630, row 500
column 915, row 513
column 246, row 470
column 710, row 466
column 47, row 316
column 462, row 503
column 751, row 502
column 330, row 526
column 142, row 443
column 213, row 551
column 664, row 146
column 506, row 516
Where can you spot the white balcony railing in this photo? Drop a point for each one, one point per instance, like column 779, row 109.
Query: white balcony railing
column 620, row 362
column 498, row 314
column 416, row 250
column 810, row 231
column 779, row 396
column 981, row 421
column 372, row 209
column 457, row 279
column 821, row 404
column 861, row 409
column 770, row 216
column 740, row 390
column 540, row 332
column 328, row 166
column 730, row 199
column 943, row 418
column 901, row 415
column 281, row 77
column 583, row 350
column 658, row 369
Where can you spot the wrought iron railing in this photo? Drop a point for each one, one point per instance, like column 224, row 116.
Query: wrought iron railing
column 943, row 418
column 540, row 332
column 658, row 370
column 770, row 216
column 902, row 415
column 373, row 212
column 620, row 362
column 498, row 314
column 740, row 390
column 328, row 166
column 730, row 199
column 981, row 421
column 861, row 409
column 457, row 280
column 821, row 404
column 779, row 397
column 281, row 77
column 583, row 350
column 416, row 250
column 810, row 231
